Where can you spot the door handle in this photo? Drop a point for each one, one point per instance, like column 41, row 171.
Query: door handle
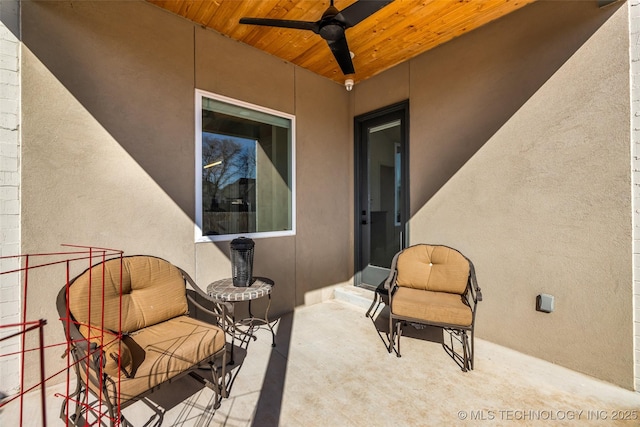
column 363, row 220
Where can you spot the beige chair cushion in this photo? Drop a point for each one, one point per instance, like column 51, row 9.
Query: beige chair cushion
column 153, row 291
column 162, row 351
column 433, row 268
column 431, row 307
column 115, row 350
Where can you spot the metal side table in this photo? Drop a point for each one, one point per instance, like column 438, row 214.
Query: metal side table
column 223, row 291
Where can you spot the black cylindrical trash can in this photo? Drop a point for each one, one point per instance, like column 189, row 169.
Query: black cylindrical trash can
column 242, row 261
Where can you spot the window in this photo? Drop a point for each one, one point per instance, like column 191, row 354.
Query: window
column 244, row 170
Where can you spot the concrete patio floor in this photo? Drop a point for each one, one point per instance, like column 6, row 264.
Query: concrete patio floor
column 331, row 368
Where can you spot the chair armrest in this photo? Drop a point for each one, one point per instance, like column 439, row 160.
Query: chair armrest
column 390, row 282
column 209, row 311
column 220, row 315
column 193, row 285
column 86, row 346
column 473, row 282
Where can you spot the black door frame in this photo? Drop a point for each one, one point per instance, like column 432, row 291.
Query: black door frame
column 361, row 123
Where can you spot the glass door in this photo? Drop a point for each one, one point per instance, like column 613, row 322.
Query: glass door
column 381, row 192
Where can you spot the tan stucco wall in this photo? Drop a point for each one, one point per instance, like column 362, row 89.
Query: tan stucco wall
column 519, row 153
column 519, row 157
column 109, row 146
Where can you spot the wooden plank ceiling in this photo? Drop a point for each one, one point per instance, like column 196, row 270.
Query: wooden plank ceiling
column 396, row 33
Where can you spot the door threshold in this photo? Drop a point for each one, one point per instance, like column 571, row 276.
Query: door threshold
column 355, row 295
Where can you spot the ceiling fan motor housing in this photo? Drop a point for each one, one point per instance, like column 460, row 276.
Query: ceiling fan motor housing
column 332, row 31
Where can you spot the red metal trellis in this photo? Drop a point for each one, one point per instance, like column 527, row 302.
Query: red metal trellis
column 82, row 256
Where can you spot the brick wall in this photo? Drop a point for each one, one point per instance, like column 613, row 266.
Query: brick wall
column 9, row 187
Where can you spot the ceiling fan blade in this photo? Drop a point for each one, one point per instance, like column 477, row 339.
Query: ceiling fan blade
column 341, row 52
column 282, row 23
column 361, row 10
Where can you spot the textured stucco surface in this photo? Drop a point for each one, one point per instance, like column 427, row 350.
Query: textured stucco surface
column 519, row 157
column 540, row 196
column 109, row 122
column 634, row 57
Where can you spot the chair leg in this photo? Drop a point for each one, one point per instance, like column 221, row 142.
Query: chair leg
column 218, row 385
column 472, row 349
column 116, row 417
column 375, row 304
column 68, row 401
column 75, row 418
column 465, row 351
column 399, row 334
column 391, row 338
column 219, row 389
column 464, row 359
column 219, row 375
column 91, row 413
column 84, row 410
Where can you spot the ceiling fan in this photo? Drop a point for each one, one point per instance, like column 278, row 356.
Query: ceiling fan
column 330, row 27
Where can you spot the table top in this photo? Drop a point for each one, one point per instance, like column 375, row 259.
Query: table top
column 223, row 290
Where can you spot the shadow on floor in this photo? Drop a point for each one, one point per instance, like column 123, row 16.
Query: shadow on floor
column 185, row 392
column 269, row 404
column 378, row 312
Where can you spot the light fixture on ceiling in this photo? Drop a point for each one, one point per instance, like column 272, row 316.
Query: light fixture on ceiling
column 348, row 84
